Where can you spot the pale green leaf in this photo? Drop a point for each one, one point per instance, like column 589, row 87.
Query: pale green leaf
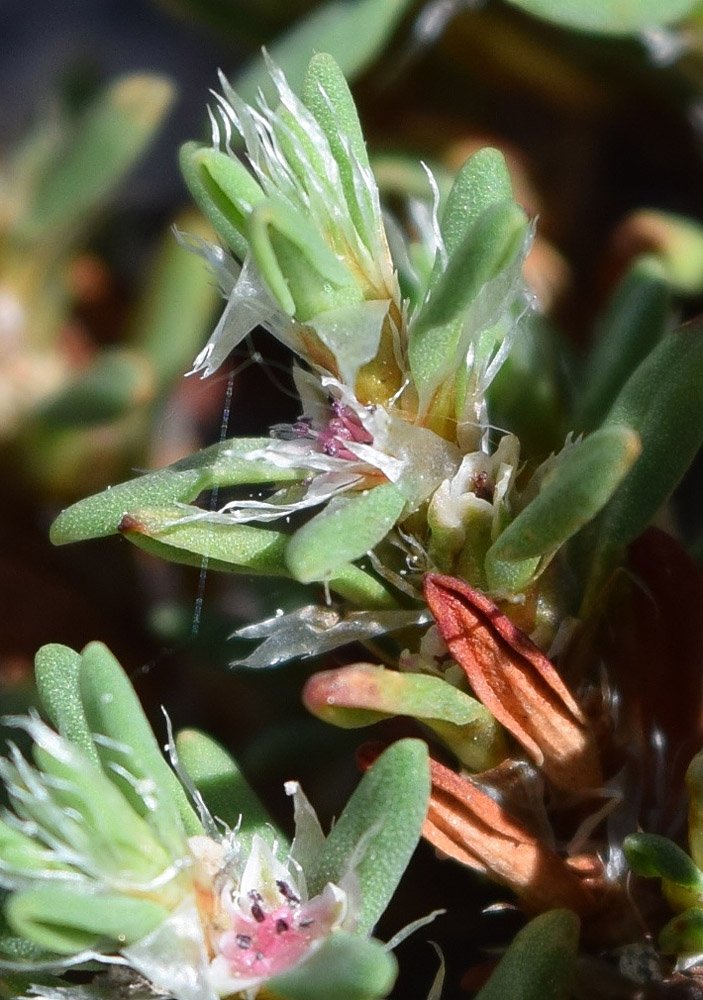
column 221, row 464
column 364, row 693
column 66, row 920
column 343, row 531
column 345, row 967
column 375, row 841
column 540, row 962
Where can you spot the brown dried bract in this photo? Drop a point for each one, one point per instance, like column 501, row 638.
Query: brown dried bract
column 516, row 682
column 468, row 825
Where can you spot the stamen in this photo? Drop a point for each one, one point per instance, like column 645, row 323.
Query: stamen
column 286, row 891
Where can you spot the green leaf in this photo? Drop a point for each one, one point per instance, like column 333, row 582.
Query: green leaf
column 343, row 531
column 225, row 790
column 109, row 138
column 66, row 920
column 234, row 547
column 364, row 693
column 540, row 962
column 579, row 485
column 684, row 934
column 653, row 856
column 305, row 276
column 354, row 34
column 635, row 321
column 472, row 277
column 375, row 841
column 608, row 17
column 482, row 181
column 57, row 673
column 345, row 967
column 112, row 709
column 224, row 190
column 661, row 403
column 219, row 465
column 23, row 854
column 485, row 250
column 327, row 95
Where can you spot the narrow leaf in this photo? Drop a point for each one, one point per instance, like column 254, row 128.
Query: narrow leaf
column 487, row 248
column 66, row 921
column 608, row 17
column 346, row 966
column 372, row 840
column 540, row 963
column 482, row 181
column 661, row 403
column 654, row 856
column 225, row 791
column 635, row 321
column 573, row 492
column 343, row 532
column 224, row 190
column 112, row 709
column 222, row 464
column 363, row 693
column 353, row 33
column 238, row 547
column 57, row 673
column 109, row 138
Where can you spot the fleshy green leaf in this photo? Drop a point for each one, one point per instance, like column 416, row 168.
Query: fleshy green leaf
column 540, row 962
column 112, row 709
column 485, row 250
column 363, row 693
column 482, row 181
column 346, row 967
column 327, row 95
column 608, row 17
column 684, row 934
column 375, row 841
column 238, row 547
column 66, row 920
column 343, row 531
column 661, row 403
column 22, row 853
column 303, row 273
column 57, row 673
column 635, row 321
column 653, row 856
column 472, row 277
column 219, row 465
column 223, row 189
column 109, row 138
column 225, row 790
column 572, row 493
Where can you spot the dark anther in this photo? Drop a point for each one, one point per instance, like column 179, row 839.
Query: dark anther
column 257, row 912
column 281, row 925
column 243, row 941
column 306, row 923
column 286, row 891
